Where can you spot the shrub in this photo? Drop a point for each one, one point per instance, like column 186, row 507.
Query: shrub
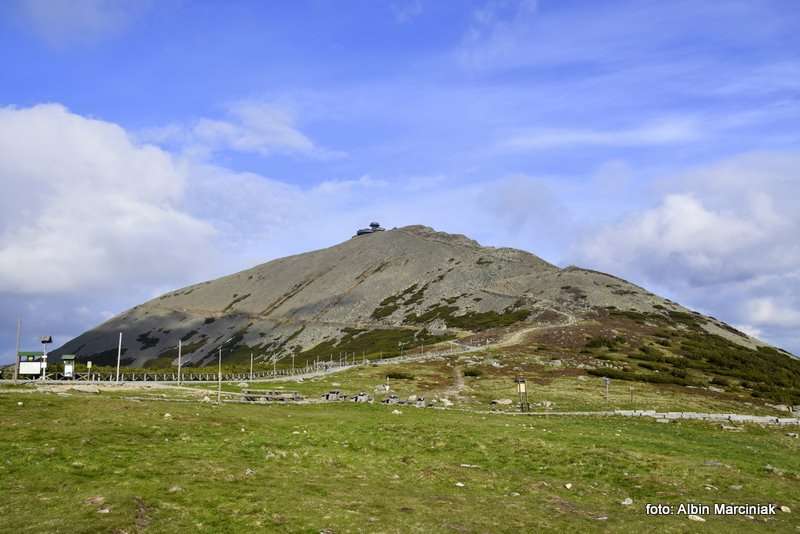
column 473, row 372
column 399, row 375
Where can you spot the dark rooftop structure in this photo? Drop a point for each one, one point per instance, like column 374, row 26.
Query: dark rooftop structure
column 373, row 227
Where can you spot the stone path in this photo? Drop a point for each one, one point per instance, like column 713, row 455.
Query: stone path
column 666, row 416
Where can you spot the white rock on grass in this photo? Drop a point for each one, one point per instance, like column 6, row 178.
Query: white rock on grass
column 396, row 412
column 627, row 502
column 460, row 484
column 786, row 510
column 568, row 486
column 696, row 518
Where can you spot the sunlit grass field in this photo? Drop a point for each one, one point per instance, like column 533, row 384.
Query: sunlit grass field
column 101, row 463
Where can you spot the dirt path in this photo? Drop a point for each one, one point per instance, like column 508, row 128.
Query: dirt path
column 458, row 383
column 515, row 338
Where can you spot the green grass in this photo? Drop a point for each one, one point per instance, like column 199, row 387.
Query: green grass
column 349, row 468
column 371, row 343
column 566, row 390
column 475, row 321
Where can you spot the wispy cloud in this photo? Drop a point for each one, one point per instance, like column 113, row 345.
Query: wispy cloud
column 668, row 131
column 406, row 10
column 62, row 22
column 253, row 127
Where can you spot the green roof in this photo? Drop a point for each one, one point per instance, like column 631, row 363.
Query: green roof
column 30, row 353
column 68, row 357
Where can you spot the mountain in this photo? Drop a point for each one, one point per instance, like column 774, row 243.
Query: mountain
column 380, row 292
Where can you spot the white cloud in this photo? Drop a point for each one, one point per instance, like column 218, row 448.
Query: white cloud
column 767, row 311
column 64, row 21
column 667, row 131
column 723, row 237
column 83, row 207
column 253, row 127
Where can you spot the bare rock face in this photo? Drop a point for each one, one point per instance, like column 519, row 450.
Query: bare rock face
column 381, row 290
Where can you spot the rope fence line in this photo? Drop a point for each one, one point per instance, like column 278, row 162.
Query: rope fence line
column 310, row 370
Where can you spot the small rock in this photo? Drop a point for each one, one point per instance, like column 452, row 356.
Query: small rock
column 249, row 472
column 503, row 402
column 19, row 403
column 174, row 489
column 696, row 518
column 712, row 463
column 514, row 494
column 469, row 466
column 103, row 511
column 627, row 502
column 396, row 412
column 601, row 518
column 735, row 487
column 86, row 389
column 335, row 384
column 460, row 484
column 568, row 486
column 167, row 415
column 786, row 510
column 792, row 434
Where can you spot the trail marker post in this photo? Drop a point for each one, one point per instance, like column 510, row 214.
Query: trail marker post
column 522, row 392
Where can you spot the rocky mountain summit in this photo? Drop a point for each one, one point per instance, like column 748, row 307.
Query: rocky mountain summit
column 378, row 291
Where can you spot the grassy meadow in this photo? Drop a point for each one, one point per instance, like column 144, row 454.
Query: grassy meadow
column 81, row 462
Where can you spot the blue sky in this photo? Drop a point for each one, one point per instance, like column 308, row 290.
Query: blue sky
column 149, row 145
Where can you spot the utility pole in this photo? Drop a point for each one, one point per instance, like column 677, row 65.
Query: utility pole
column 119, row 354
column 180, row 347
column 219, row 373
column 16, row 358
column 251, row 366
column 219, row 377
